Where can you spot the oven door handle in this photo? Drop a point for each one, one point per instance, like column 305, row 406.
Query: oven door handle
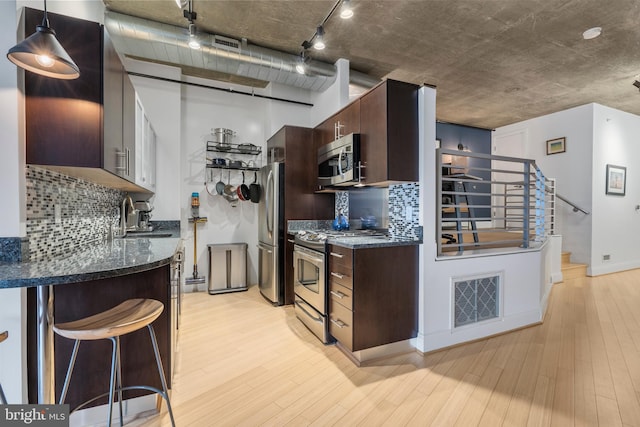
column 314, row 318
column 314, row 260
column 340, row 161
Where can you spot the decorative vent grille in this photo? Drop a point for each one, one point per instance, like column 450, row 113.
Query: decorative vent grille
column 476, row 300
column 226, row 43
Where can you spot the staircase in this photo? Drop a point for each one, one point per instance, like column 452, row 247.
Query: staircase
column 570, row 270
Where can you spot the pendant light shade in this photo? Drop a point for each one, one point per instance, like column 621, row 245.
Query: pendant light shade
column 42, row 54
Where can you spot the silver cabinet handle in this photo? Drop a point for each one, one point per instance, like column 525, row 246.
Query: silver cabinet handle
column 338, row 294
column 339, row 276
column 339, row 323
column 336, row 255
column 291, row 241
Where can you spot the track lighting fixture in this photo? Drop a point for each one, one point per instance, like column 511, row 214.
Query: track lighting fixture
column 318, row 40
column 42, row 53
column 193, row 39
column 346, row 12
column 301, row 64
column 181, row 3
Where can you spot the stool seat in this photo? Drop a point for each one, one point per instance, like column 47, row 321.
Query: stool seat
column 4, row 335
column 124, row 318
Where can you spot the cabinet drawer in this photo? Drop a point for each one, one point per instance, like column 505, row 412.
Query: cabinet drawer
column 341, row 295
column 341, row 274
column 340, row 255
column 340, row 324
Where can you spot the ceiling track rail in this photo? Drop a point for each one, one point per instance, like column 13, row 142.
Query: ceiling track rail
column 229, row 90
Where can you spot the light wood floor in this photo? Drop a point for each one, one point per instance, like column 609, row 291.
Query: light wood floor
column 243, row 362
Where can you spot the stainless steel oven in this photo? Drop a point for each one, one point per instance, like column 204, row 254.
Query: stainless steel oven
column 310, row 288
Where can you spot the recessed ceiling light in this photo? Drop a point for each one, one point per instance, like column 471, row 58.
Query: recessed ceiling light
column 592, row 33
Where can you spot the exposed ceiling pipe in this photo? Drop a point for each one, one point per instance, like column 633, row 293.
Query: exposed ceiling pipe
column 169, row 44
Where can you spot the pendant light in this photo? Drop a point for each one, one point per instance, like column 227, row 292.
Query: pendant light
column 42, row 53
column 346, row 12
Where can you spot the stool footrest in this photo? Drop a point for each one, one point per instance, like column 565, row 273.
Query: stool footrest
column 118, row 389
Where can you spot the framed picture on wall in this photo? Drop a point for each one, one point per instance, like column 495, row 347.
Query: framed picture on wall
column 616, row 180
column 555, row 146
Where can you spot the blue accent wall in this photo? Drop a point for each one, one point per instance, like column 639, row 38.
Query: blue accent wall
column 475, row 140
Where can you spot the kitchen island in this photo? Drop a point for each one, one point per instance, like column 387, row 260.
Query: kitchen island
column 89, row 280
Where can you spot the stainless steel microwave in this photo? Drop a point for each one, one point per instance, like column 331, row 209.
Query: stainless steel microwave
column 339, row 161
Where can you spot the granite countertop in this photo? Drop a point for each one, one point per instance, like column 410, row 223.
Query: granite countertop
column 360, row 242
column 98, row 261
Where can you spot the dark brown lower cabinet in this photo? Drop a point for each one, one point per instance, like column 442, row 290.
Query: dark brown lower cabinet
column 91, row 373
column 373, row 295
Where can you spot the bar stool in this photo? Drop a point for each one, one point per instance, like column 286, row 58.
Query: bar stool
column 3, row 400
column 129, row 316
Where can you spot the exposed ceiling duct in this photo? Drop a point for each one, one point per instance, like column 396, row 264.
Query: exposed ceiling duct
column 168, row 44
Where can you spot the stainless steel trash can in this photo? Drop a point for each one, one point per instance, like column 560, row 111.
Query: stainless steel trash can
column 227, row 267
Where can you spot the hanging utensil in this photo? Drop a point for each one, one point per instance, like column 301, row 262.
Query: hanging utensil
column 220, row 185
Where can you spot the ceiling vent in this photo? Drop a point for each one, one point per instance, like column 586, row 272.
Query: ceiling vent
column 226, row 43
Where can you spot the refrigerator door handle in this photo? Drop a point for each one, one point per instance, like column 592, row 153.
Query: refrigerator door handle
column 268, row 202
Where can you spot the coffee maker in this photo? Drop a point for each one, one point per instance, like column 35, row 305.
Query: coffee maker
column 143, row 216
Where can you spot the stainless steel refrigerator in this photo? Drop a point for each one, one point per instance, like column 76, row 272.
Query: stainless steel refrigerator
column 271, row 233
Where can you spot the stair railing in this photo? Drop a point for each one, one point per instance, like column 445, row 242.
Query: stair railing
column 517, row 201
column 575, row 207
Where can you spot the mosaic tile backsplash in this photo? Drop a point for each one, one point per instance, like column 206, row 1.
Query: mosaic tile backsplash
column 401, row 198
column 66, row 213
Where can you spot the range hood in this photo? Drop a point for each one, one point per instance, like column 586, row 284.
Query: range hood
column 168, row 44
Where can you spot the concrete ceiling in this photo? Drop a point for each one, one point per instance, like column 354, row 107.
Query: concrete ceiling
column 494, row 62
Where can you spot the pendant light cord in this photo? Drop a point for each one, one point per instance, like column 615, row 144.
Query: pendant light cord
column 45, row 18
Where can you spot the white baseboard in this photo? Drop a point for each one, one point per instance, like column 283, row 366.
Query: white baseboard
column 447, row 338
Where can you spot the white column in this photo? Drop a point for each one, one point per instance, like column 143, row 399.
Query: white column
column 12, row 211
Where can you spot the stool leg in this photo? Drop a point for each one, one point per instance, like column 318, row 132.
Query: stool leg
column 119, row 379
column 67, row 379
column 3, row 398
column 112, row 382
column 154, row 342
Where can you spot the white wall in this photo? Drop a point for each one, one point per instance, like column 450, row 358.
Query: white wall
column 525, row 276
column 12, row 211
column 91, row 10
column 162, row 103
column 254, row 120
column 572, row 169
column 616, row 221
column 334, row 98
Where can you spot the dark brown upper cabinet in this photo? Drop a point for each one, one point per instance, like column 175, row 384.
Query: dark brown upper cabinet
column 389, row 133
column 76, row 126
column 342, row 123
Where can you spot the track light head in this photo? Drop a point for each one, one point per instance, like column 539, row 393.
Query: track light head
column 318, row 40
column 346, row 12
column 193, row 39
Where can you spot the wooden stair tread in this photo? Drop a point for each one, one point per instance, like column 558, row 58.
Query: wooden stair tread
column 126, row 317
column 571, row 266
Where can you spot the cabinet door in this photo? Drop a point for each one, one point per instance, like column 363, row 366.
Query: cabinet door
column 112, row 109
column 348, row 119
column 389, row 133
column 63, row 118
column 127, row 165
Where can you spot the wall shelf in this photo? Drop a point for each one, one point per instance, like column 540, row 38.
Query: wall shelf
column 229, row 148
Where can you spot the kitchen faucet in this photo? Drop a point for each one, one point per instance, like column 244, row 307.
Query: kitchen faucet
column 124, row 214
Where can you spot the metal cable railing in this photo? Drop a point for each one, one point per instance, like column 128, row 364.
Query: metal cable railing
column 487, row 202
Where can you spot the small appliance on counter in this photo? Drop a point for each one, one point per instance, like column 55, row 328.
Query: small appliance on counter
column 142, row 211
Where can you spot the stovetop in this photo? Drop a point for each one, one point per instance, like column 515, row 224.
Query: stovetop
column 316, row 239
